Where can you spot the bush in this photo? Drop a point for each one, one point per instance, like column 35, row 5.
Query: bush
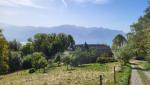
column 124, row 54
column 38, row 60
column 58, row 58
column 32, row 70
column 124, row 76
column 27, row 62
column 74, row 62
column 105, row 59
column 15, row 61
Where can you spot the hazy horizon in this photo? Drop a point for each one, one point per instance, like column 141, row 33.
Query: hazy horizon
column 112, row 14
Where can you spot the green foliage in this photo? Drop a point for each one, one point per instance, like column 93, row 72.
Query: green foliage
column 27, row 49
column 71, row 42
column 32, row 70
column 140, row 34
column 50, row 44
column 14, row 45
column 38, row 60
column 85, row 56
column 58, row 58
column 35, row 60
column 124, row 54
column 4, row 65
column 118, row 41
column 27, row 62
column 146, row 65
column 124, row 76
column 67, row 60
column 15, row 61
column 90, row 55
column 105, row 58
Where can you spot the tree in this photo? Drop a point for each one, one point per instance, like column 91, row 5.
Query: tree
column 14, row 45
column 118, row 41
column 141, row 34
column 4, row 66
column 51, row 44
column 27, row 62
column 27, row 49
column 86, row 46
column 71, row 42
column 38, row 60
column 15, row 61
column 124, row 54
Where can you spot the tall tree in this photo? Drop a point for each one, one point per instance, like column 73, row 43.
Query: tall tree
column 3, row 54
column 141, row 33
column 86, row 46
column 71, row 42
column 50, row 44
column 118, row 42
column 14, row 45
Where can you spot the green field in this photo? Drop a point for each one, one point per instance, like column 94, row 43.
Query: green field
column 87, row 74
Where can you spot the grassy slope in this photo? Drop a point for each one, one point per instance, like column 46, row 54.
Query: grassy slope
column 87, row 74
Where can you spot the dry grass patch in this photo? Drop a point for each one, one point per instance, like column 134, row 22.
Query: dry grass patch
column 87, row 74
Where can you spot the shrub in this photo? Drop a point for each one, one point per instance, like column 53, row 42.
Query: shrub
column 105, row 59
column 124, row 54
column 32, row 70
column 38, row 60
column 58, row 58
column 15, row 61
column 74, row 62
column 27, row 62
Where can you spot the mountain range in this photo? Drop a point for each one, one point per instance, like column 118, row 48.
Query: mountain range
column 91, row 35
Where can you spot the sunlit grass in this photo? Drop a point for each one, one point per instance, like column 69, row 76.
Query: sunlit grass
column 87, row 74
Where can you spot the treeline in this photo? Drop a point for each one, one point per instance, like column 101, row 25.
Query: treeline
column 137, row 42
column 42, row 51
column 34, row 54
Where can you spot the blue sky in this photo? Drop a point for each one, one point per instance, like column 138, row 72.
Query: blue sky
column 113, row 14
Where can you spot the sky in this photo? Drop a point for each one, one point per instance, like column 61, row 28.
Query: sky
column 112, row 14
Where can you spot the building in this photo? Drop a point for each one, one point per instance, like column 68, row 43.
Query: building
column 100, row 47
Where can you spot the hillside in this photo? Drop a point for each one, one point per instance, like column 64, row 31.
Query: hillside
column 81, row 34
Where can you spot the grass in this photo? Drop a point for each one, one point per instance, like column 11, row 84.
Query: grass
column 146, row 65
column 87, row 74
column 143, row 77
column 124, row 75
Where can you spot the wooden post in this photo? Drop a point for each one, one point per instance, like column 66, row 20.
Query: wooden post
column 114, row 74
column 100, row 81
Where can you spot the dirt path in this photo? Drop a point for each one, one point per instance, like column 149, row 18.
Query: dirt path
column 135, row 77
column 147, row 74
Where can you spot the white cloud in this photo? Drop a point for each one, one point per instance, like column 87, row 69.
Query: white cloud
column 90, row 1
column 66, row 2
column 16, row 3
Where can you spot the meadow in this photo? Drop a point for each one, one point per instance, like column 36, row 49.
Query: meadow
column 86, row 74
